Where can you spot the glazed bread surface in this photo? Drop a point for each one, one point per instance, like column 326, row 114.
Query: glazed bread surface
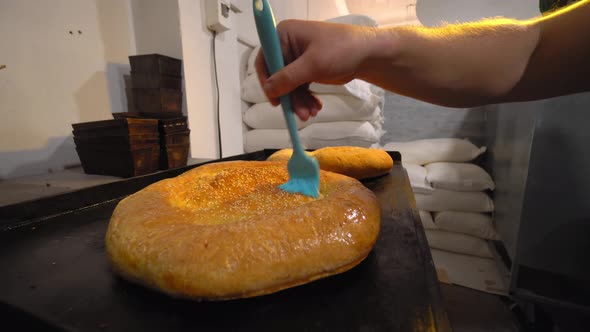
column 225, row 230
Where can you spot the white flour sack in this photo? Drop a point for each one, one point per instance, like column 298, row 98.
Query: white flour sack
column 417, row 176
column 472, row 223
column 428, row 151
column 259, row 139
column 427, row 221
column 251, row 90
column 459, row 243
column 445, row 200
column 458, row 176
column 342, row 133
column 335, row 109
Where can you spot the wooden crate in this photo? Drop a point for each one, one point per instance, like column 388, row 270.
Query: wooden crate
column 157, row 100
column 155, row 64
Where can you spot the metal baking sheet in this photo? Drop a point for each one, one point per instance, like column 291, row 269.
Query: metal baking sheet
column 55, row 274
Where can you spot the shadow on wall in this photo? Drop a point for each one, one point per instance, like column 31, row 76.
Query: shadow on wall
column 408, row 119
column 53, row 156
column 555, row 230
column 92, row 98
column 115, row 31
column 97, row 103
column 510, row 129
column 93, row 103
column 538, row 157
column 555, row 220
column 115, row 74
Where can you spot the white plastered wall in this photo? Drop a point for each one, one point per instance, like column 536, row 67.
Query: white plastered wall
column 53, row 78
column 435, row 12
column 201, row 94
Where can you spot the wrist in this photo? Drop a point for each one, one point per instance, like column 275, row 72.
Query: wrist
column 383, row 46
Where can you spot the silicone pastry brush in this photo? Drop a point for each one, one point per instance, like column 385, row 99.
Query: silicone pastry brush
column 304, row 170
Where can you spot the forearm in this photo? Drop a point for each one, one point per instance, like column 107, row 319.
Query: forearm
column 456, row 65
column 491, row 61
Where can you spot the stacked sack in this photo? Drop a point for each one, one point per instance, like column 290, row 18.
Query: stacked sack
column 351, row 115
column 451, row 195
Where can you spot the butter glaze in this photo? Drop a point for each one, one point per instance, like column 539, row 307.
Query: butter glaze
column 225, row 231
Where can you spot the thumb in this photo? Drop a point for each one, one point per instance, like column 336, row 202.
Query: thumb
column 289, row 78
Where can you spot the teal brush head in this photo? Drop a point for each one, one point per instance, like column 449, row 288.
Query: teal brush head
column 304, row 175
column 304, row 170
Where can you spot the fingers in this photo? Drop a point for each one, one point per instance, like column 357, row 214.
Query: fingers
column 263, row 75
column 295, row 74
column 317, row 106
column 294, row 78
column 305, row 104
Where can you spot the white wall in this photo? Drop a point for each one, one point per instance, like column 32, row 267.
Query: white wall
column 436, row 12
column 245, row 21
column 54, row 78
column 386, row 13
column 293, row 9
column 325, row 9
column 282, row 9
column 199, row 78
column 156, row 27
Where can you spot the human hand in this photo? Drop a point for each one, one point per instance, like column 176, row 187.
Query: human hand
column 319, row 52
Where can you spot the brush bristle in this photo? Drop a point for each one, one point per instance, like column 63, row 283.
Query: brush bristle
column 307, row 187
column 304, row 175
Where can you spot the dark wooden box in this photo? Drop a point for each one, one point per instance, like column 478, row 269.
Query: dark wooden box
column 173, row 125
column 181, row 137
column 173, row 155
column 155, row 81
column 155, row 64
column 123, row 126
column 120, row 162
column 118, row 141
column 167, row 122
column 157, row 100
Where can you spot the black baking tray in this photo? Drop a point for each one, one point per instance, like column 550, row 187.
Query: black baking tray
column 55, row 274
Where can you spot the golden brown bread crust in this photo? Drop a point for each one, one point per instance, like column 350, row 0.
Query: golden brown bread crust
column 283, row 155
column 225, row 231
column 357, row 162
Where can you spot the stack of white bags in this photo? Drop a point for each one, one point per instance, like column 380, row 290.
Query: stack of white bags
column 351, row 115
column 452, row 197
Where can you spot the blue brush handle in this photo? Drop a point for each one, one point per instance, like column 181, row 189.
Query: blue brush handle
column 273, row 54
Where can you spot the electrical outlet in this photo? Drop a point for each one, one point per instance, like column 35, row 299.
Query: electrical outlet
column 218, row 15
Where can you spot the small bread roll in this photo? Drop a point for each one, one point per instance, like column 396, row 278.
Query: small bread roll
column 357, row 162
column 282, row 155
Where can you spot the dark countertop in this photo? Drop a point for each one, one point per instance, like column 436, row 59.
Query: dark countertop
column 56, row 270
